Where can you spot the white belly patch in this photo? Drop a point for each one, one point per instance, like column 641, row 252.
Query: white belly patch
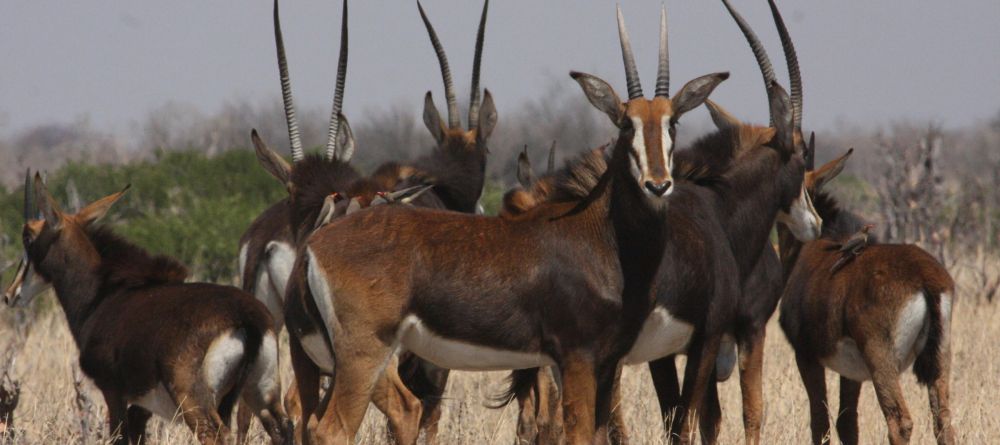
column 415, row 337
column 158, row 401
column 661, row 335
column 222, row 360
column 909, row 339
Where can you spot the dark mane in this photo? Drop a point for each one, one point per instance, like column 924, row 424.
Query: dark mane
column 127, row 266
column 578, row 177
column 457, row 174
column 838, row 223
column 706, row 161
column 314, row 178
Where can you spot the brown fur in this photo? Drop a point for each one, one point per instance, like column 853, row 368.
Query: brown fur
column 138, row 326
column 862, row 302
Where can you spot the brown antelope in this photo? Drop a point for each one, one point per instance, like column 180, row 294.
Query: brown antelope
column 455, row 171
column 886, row 310
column 152, row 343
column 479, row 293
column 716, row 242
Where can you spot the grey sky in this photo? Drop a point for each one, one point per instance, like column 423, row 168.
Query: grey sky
column 862, row 61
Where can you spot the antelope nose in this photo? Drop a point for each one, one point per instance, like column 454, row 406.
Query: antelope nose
column 658, row 188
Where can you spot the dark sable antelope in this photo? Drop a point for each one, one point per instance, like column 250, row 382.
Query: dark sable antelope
column 267, row 248
column 481, row 293
column 151, row 343
column 761, row 288
column 732, row 186
column 887, row 310
column 455, row 171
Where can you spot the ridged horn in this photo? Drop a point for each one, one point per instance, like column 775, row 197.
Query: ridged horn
column 294, row 140
column 449, row 87
column 552, row 157
column 663, row 66
column 631, row 73
column 338, row 93
column 766, row 69
column 476, row 61
column 792, row 60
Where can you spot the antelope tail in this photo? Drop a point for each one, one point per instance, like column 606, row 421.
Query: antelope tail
column 520, row 383
column 928, row 364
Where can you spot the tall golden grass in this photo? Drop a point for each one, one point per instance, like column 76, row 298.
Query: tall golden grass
column 48, row 412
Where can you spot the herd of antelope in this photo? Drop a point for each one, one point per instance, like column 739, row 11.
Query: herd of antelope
column 631, row 253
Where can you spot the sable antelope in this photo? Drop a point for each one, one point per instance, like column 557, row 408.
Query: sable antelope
column 472, row 292
column 267, row 248
column 886, row 310
column 717, row 235
column 151, row 343
column 761, row 289
column 455, row 171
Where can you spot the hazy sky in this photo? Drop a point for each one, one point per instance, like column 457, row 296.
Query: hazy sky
column 862, row 61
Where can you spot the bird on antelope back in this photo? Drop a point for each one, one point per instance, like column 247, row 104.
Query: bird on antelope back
column 886, row 310
column 852, row 247
column 152, row 343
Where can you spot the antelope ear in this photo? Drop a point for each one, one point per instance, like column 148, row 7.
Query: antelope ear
column 487, row 117
column 601, row 96
column 694, row 93
column 432, row 119
column 97, row 209
column 46, row 204
column 525, row 176
column 722, row 119
column 830, row 170
column 782, row 118
column 345, row 141
column 271, row 161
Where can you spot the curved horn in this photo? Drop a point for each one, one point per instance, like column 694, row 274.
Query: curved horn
column 792, row 60
column 474, row 100
column 449, row 87
column 766, row 69
column 29, row 211
column 663, row 68
column 294, row 140
column 631, row 73
column 338, row 93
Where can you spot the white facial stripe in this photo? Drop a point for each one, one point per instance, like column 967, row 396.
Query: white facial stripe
column 667, row 143
column 639, row 145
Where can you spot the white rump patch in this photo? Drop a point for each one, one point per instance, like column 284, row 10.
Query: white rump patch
column 158, row 401
column 909, row 338
column 912, row 328
column 273, row 279
column 661, row 335
column 415, row 337
column 264, row 375
column 222, row 360
column 322, row 295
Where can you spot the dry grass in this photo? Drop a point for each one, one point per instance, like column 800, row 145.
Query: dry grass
column 48, row 413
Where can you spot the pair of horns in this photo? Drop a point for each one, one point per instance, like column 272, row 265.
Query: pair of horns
column 449, row 87
column 663, row 66
column 766, row 69
column 295, row 139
